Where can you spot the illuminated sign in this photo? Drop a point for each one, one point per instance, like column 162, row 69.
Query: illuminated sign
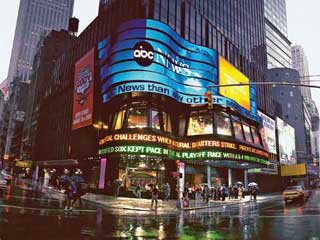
column 228, row 74
column 287, row 142
column 148, row 56
column 293, row 170
column 143, row 53
column 83, row 91
column 179, row 149
column 185, row 155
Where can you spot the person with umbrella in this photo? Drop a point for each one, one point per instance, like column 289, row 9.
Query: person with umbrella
column 254, row 188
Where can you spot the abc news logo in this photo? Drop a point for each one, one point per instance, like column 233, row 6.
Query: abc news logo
column 143, row 53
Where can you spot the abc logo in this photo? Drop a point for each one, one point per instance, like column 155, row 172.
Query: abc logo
column 143, row 53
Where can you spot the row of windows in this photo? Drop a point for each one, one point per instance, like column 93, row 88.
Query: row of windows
column 219, row 123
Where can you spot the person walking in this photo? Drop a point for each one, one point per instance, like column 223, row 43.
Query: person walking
column 71, row 194
column 117, row 184
column 154, row 196
column 137, row 191
column 46, row 178
column 223, row 192
column 65, row 187
column 166, row 191
column 254, row 193
column 80, row 188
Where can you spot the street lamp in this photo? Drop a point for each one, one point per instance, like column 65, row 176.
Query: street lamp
column 100, row 125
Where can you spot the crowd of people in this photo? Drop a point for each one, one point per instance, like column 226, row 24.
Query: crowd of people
column 205, row 193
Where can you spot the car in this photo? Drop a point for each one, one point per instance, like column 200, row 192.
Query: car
column 295, row 193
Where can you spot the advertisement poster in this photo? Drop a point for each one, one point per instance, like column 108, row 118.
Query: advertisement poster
column 287, row 144
column 268, row 133
column 230, row 75
column 83, row 91
column 5, row 89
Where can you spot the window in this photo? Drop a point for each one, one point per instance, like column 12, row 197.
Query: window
column 291, row 94
column 137, row 118
column 256, row 137
column 238, row 130
column 247, row 133
column 223, row 124
column 155, row 119
column 199, row 125
column 167, row 122
column 119, row 121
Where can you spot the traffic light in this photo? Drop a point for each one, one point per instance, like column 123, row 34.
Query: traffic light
column 208, row 95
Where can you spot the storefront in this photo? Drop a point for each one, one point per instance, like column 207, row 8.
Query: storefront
column 160, row 126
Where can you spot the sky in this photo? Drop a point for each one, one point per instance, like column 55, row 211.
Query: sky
column 85, row 10
column 303, row 27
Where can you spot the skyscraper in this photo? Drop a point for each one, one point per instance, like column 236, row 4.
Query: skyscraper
column 300, row 63
column 35, row 19
column 278, row 45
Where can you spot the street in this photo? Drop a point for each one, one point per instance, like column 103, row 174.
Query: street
column 30, row 214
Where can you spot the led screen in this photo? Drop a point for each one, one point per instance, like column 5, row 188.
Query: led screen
column 228, row 74
column 145, row 55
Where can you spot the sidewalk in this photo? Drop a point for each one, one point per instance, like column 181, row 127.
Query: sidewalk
column 144, row 205
column 168, row 206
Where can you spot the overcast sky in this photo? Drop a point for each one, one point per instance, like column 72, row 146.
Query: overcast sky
column 303, row 26
column 85, row 10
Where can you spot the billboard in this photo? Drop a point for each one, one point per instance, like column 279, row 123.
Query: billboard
column 148, row 56
column 83, row 91
column 287, row 142
column 293, row 170
column 268, row 133
column 228, row 74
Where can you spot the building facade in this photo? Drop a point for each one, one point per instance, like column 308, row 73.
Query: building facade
column 140, row 78
column 300, row 63
column 278, row 45
column 35, row 19
column 292, row 110
column 51, row 47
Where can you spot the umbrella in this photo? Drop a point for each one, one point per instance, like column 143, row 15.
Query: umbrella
column 252, row 184
column 239, row 183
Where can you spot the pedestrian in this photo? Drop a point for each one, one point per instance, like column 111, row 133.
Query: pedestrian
column 166, row 191
column 137, row 191
column 71, row 195
column 240, row 192
column 46, row 178
column 223, row 190
column 79, row 188
column 254, row 193
column 243, row 192
column 117, row 184
column 230, row 192
column 154, row 196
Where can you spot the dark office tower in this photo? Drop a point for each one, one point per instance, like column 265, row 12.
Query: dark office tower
column 35, row 19
column 278, row 45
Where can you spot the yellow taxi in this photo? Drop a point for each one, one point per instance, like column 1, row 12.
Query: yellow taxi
column 293, row 193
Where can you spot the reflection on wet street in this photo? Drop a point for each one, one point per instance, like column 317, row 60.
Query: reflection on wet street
column 30, row 214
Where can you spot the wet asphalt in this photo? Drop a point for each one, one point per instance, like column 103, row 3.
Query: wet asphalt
column 29, row 213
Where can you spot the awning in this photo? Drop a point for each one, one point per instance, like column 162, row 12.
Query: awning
column 62, row 162
column 24, row 164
